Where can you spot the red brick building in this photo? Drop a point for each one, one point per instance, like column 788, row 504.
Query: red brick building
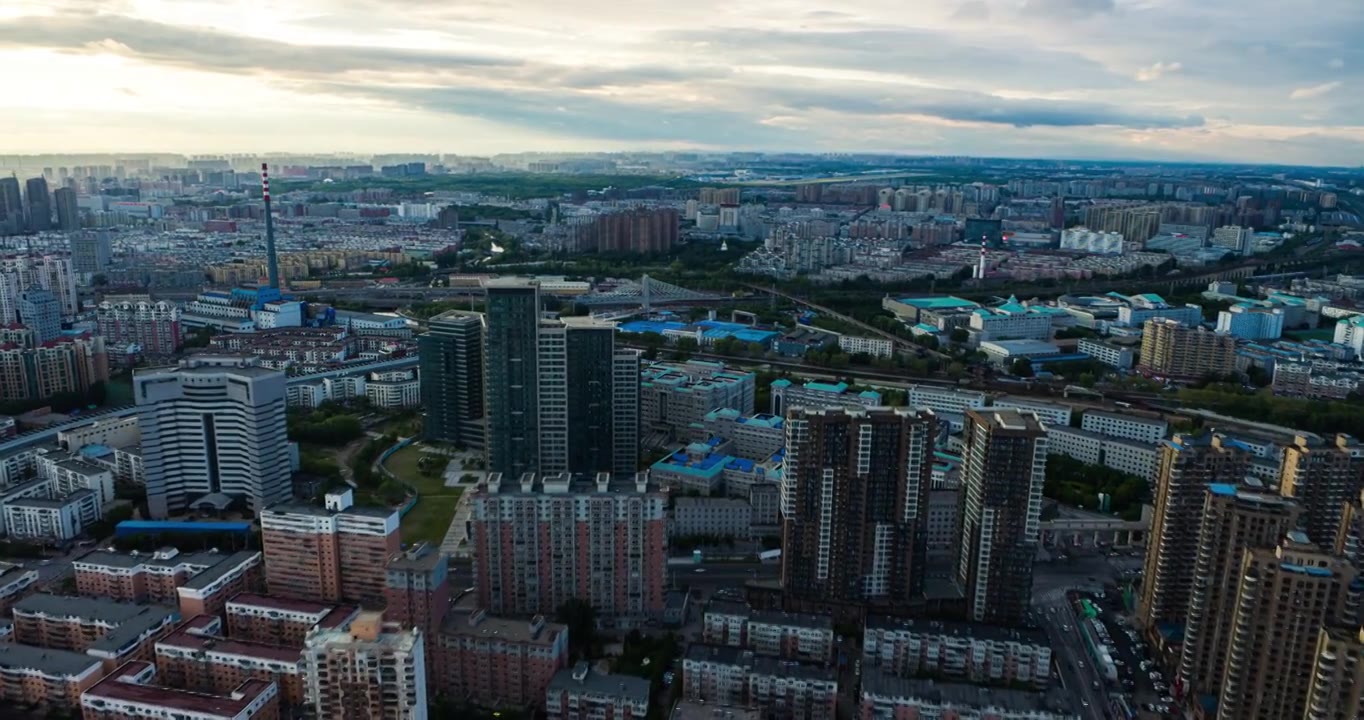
column 109, row 631
column 499, row 662
column 282, row 621
column 197, row 657
column 197, row 582
column 338, row 553
column 128, row 694
column 418, row 592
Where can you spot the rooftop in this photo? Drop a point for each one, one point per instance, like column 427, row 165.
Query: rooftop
column 580, row 678
column 185, row 637
column 688, row 710
column 973, row 630
column 963, row 695
column 50, row 662
column 477, row 623
column 945, row 302
column 127, row 621
column 121, row 686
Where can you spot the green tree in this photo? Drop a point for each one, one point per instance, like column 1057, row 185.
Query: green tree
column 580, row 618
column 1021, row 367
column 959, row 335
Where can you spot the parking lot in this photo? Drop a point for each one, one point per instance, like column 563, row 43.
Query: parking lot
column 1146, row 688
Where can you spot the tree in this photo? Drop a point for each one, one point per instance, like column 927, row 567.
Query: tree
column 580, row 618
column 1022, row 367
column 959, row 335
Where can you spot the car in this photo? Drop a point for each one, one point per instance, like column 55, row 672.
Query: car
column 1167, row 699
column 699, row 570
column 1081, row 663
column 1065, row 628
column 1084, row 703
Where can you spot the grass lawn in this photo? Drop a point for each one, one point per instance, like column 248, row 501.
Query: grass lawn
column 430, row 519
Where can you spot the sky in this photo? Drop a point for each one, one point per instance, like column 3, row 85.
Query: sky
column 1198, row 80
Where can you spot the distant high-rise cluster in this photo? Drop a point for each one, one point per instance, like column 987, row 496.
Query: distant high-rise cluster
column 641, row 231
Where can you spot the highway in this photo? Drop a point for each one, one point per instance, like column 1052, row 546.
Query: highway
column 900, row 343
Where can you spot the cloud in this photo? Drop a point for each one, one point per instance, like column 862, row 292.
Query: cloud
column 1336, row 63
column 1069, row 8
column 1154, row 72
column 1314, row 91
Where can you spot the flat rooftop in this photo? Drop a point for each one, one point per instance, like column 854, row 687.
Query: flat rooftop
column 186, row 638
column 491, row 627
column 981, row 631
column 963, row 695
column 688, row 710
column 121, row 687
column 579, row 678
column 943, row 302
column 49, row 662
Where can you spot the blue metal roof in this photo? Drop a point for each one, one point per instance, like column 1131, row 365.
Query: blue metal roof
column 138, row 527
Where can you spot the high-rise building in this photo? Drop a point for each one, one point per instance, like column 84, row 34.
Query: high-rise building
column 54, row 273
column 213, row 429
column 540, row 541
column 417, row 592
column 335, row 553
column 11, row 207
column 154, row 327
column 91, row 252
column 71, row 363
column 451, row 354
column 1323, row 476
column 855, row 499
column 40, row 312
column 1349, row 540
column 38, row 204
column 68, row 213
column 1171, row 349
column 557, row 390
column 1337, row 691
column 371, row 671
column 1003, row 469
column 1187, row 465
column 1287, row 594
column 1234, row 520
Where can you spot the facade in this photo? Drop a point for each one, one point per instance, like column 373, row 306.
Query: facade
column 1170, row 349
column 331, row 554
column 91, row 252
column 1048, row 413
column 417, row 595
column 197, row 582
column 1287, row 594
column 1251, row 322
column 1234, row 520
column 1130, row 427
column 394, row 389
column 725, row 675
column 855, row 504
column 873, row 346
column 791, row 636
column 940, row 399
column 69, row 364
column 673, row 396
column 372, row 670
column 213, row 426
column 1004, row 466
column 578, row 693
column 884, row 696
column 714, row 517
column 962, row 652
column 819, row 395
column 990, row 325
column 108, row 631
column 1302, row 380
column 197, row 657
column 45, row 677
column 1126, row 456
column 1323, row 476
column 756, row 437
column 541, row 541
column 129, row 694
column 40, row 312
column 451, row 354
column 1188, row 465
column 511, row 372
column 1116, row 356
column 267, row 619
column 1350, row 333
column 500, row 662
column 55, row 519
column 38, row 204
column 1337, row 691
column 16, row 582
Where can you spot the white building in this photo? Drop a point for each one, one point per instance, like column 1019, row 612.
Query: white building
column 212, row 427
column 393, row 389
column 118, row 432
column 711, row 516
column 989, row 325
column 70, row 475
column 873, row 346
column 1128, row 456
column 1251, row 322
column 1003, row 352
column 965, row 651
column 945, row 399
column 1130, row 427
column 49, row 519
column 1149, row 306
column 1234, row 238
column 1049, row 413
column 1117, row 356
column 1350, row 332
column 1086, row 240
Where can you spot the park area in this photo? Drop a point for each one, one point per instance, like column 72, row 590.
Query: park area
column 430, row 519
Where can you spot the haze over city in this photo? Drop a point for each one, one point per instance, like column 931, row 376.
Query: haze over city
column 1226, row 80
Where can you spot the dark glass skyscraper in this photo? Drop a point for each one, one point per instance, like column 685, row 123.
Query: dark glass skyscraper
column 39, row 202
column 451, row 354
column 11, row 206
column 68, row 214
column 511, row 358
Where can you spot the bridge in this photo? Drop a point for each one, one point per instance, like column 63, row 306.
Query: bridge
column 646, row 293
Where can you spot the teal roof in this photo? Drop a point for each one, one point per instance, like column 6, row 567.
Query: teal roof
column 827, row 387
column 1152, row 298
column 946, row 302
column 925, row 327
column 781, row 383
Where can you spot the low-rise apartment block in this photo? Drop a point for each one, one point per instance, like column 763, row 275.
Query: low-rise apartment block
column 1110, row 354
column 711, row 516
column 500, row 662
column 873, row 346
column 968, row 652
column 733, row 676
column 129, row 694
column 45, row 677
column 888, row 697
column 109, row 631
column 197, row 582
column 578, row 693
column 282, row 621
column 197, row 657
column 16, row 582
column 52, row 518
column 792, row 636
column 1127, row 456
column 1126, row 426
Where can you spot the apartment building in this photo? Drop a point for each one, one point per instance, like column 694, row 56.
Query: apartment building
column 964, row 652
column 152, row 327
column 393, row 390
column 129, row 694
column 47, row 678
column 109, row 631
column 1323, row 475
column 197, row 657
column 940, row 399
column 69, row 364
column 711, row 516
column 1172, row 350
column 54, row 518
column 672, row 396
column 499, row 662
column 1090, row 447
column 451, row 354
column 1234, row 519
column 792, row 636
column 1303, row 380
column 874, row 346
column 578, row 693
column 1286, row 595
column 1004, row 465
column 1126, row 426
column 541, row 540
column 819, row 395
column 282, row 621
column 781, row 688
column 168, row 577
column 887, row 696
column 16, row 582
column 1337, row 691
column 372, row 670
column 1110, row 354
column 1048, row 413
column 417, row 595
column 854, row 529
column 1188, row 465
column 331, row 554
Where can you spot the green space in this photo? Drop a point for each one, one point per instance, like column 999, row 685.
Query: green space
column 1324, row 417
column 1327, row 334
column 330, row 424
column 1077, row 483
column 430, row 519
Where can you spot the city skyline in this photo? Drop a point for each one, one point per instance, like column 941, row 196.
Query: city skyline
column 1086, row 79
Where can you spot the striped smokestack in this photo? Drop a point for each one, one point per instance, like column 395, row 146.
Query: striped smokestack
column 271, row 263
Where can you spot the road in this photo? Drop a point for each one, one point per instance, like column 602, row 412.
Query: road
column 1051, row 581
column 900, row 343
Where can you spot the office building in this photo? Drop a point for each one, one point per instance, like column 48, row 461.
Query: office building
column 512, row 377
column 579, row 693
column 499, row 662
column 129, row 693
column 543, row 540
column 1323, row 475
column 330, row 554
column 196, row 582
column 393, row 390
column 854, row 501
column 1135, row 310
column 964, row 652
column 91, row 252
column 804, row 637
column 253, row 617
column 109, row 631
column 38, row 205
column 756, row 437
column 1126, row 426
column 1172, row 350
column 46, row 678
column 451, row 353
column 1128, row 456
column 1234, row 238
column 673, row 396
column 785, row 395
column 152, row 329
column 11, row 207
column 1251, row 322
column 1188, row 464
column 1234, row 520
column 197, row 657
column 1337, row 691
column 40, row 312
column 1110, row 354
column 371, row 670
column 886, row 696
column 712, row 517
column 1287, row 594
column 213, row 431
column 68, row 213
column 1004, row 466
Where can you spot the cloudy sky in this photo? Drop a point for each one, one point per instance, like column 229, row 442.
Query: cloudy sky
column 1239, row 80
